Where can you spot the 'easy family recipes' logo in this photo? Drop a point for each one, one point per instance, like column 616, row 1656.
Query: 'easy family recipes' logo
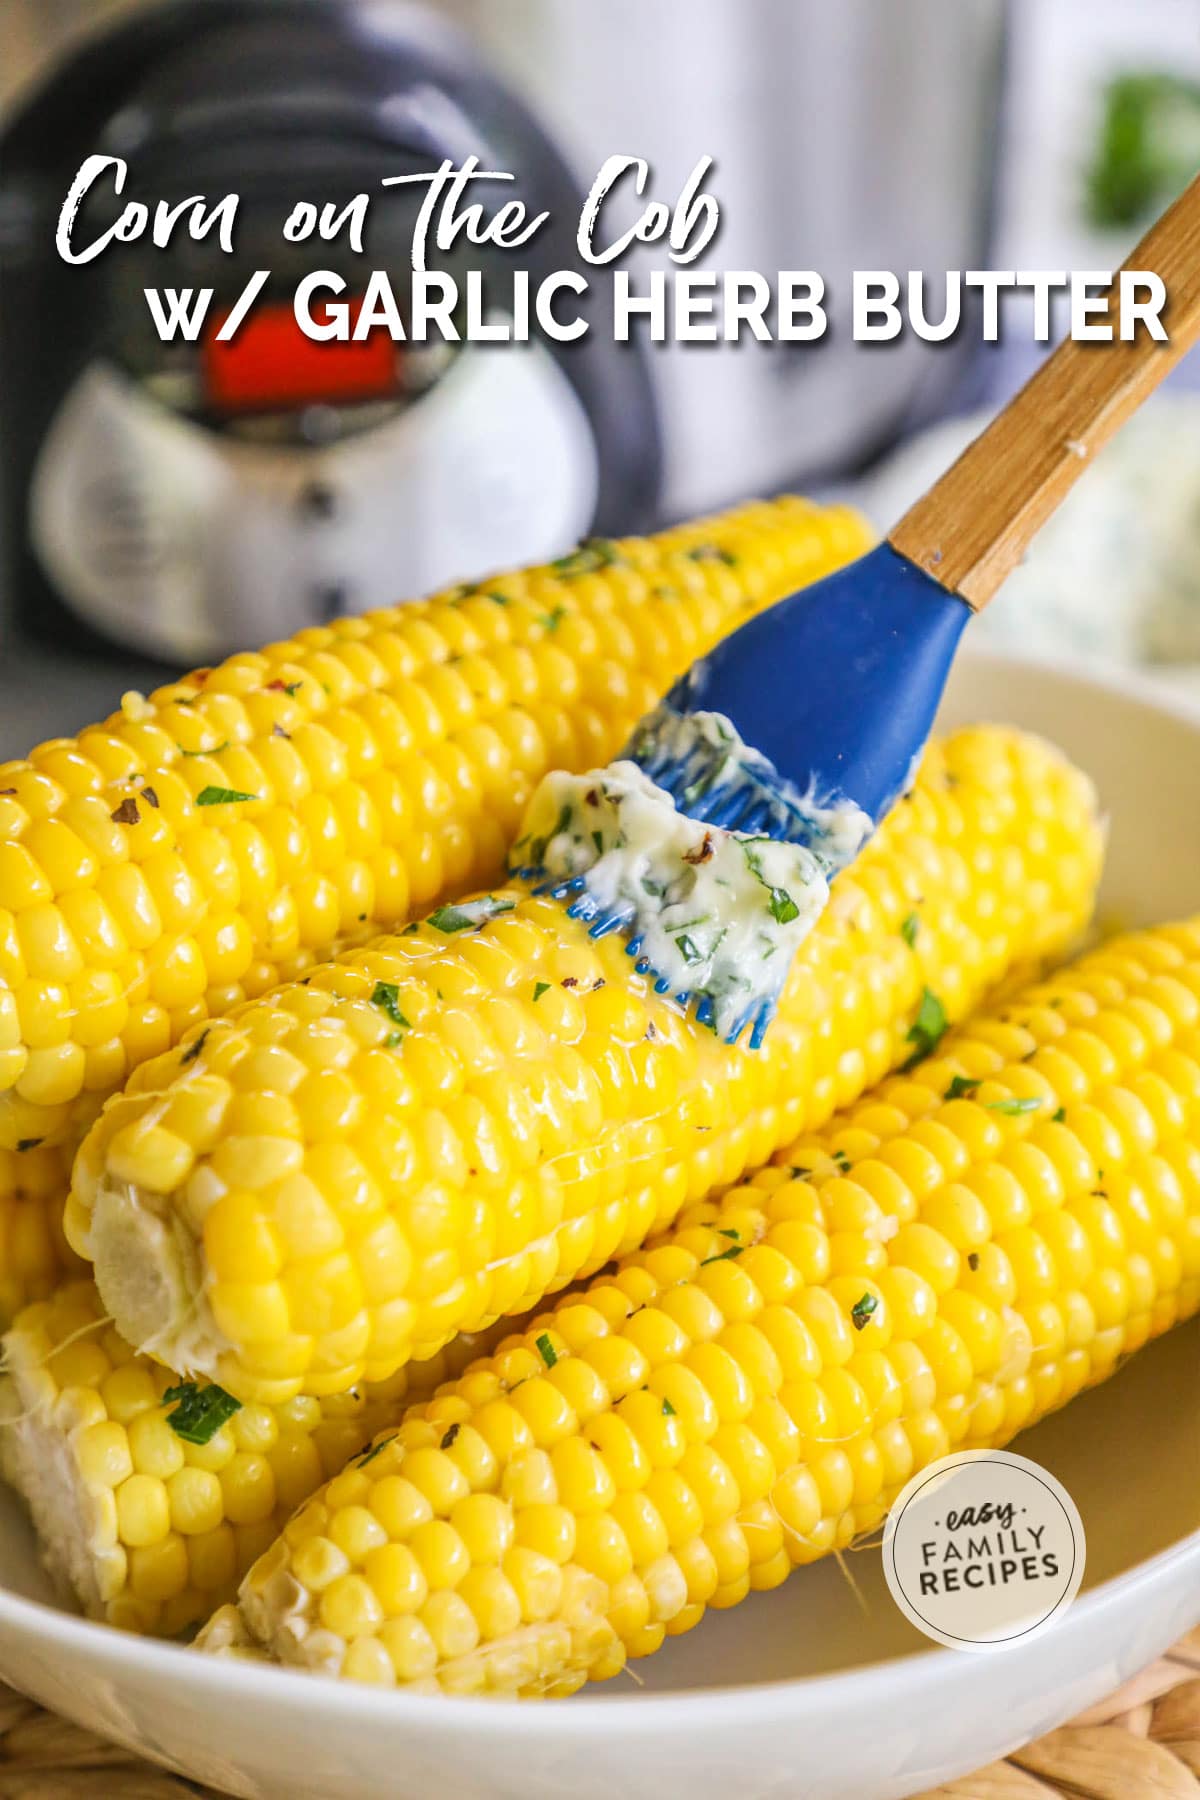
column 983, row 1550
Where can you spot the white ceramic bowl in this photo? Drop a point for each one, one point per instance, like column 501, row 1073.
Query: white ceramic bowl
column 803, row 1692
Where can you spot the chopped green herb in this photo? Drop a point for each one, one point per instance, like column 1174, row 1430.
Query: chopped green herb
column 393, row 1039
column 24, row 1144
column 387, row 998
column 841, row 1159
column 193, row 1050
column 960, row 1085
column 973, row 1260
column 374, row 1450
column 546, row 1350
column 539, row 846
column 928, row 1028
column 723, row 1255
column 222, row 796
column 469, row 913
column 497, row 598
column 598, row 840
column 214, row 751
column 708, row 780
column 712, row 553
column 200, row 1412
column 860, row 1312
column 450, row 1435
column 592, row 554
column 687, row 948
column 783, row 907
column 540, row 988
column 1014, row 1108
column 1060, row 1115
column 909, row 929
column 150, row 797
column 553, row 619
column 727, row 1232
column 668, row 1410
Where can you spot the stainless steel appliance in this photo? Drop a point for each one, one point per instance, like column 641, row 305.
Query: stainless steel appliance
column 163, row 512
column 187, row 496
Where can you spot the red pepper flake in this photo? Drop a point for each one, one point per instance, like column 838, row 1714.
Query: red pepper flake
column 8, row 790
column 569, row 981
column 127, row 813
column 592, row 797
column 150, row 797
column 702, row 853
column 200, row 676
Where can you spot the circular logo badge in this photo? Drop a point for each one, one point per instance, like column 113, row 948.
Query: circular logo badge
column 983, row 1549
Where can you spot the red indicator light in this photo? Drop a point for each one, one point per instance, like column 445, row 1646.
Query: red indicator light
column 271, row 365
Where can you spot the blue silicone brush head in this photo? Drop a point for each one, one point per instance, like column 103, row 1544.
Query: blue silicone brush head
column 836, row 688
column 832, row 694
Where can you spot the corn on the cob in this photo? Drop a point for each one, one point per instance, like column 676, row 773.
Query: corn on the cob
column 34, row 1256
column 202, row 845
column 964, row 1251
column 145, row 1528
column 443, row 1128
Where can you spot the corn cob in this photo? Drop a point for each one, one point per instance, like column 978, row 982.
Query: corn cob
column 34, row 1257
column 957, row 1255
column 443, row 1128
column 145, row 1528
column 202, row 845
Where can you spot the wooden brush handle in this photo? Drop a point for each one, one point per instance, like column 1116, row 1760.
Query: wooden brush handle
column 974, row 525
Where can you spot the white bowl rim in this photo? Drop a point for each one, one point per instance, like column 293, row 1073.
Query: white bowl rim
column 888, row 1679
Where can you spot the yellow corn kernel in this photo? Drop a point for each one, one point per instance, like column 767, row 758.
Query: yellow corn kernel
column 788, row 1427
column 34, row 1257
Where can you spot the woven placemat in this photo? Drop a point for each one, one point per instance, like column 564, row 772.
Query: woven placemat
column 1142, row 1743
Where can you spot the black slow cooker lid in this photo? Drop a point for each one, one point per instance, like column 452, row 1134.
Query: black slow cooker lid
column 283, row 99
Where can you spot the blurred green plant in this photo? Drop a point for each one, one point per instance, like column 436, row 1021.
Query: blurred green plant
column 1149, row 147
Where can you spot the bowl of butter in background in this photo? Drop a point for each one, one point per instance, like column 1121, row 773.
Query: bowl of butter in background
column 1114, row 577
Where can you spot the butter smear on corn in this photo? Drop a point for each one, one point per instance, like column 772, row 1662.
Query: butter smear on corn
column 716, row 914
